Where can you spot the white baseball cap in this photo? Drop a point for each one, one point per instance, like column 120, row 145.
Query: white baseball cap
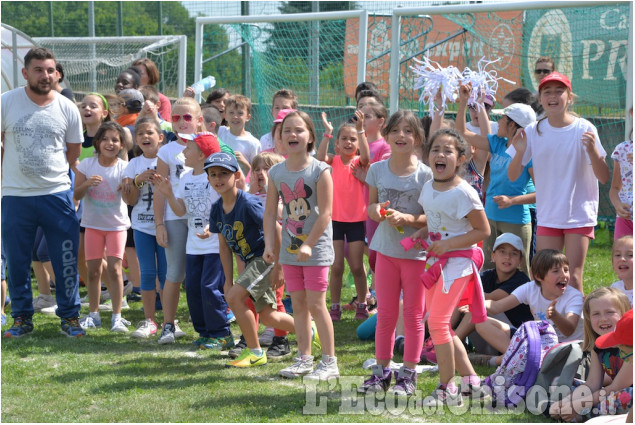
column 511, row 239
column 521, row 114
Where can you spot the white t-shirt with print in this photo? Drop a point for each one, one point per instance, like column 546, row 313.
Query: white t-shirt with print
column 246, row 144
column 569, row 302
column 172, row 155
column 619, row 285
column 34, row 141
column 198, row 196
column 446, row 214
column 266, row 142
column 104, row 208
column 143, row 211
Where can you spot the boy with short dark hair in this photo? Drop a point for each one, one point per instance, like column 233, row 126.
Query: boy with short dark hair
column 244, row 144
column 238, row 217
column 203, row 268
column 282, row 99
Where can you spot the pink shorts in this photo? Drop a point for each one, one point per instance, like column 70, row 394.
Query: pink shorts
column 113, row 241
column 300, row 278
column 552, row 231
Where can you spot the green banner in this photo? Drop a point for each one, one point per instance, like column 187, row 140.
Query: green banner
column 591, row 59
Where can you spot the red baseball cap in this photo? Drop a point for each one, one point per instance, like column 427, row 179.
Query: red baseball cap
column 283, row 113
column 555, row 76
column 622, row 335
column 207, row 142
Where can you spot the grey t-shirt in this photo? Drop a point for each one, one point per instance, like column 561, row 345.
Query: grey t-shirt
column 403, row 193
column 298, row 191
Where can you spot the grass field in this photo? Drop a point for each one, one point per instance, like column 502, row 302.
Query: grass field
column 108, row 377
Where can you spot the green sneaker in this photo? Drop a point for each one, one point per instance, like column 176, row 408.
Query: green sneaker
column 221, row 344
column 248, row 359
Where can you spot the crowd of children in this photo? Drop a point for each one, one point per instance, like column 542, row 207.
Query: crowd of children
column 203, row 192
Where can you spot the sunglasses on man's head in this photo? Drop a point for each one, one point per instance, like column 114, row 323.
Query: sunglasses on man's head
column 186, row 117
column 542, row 71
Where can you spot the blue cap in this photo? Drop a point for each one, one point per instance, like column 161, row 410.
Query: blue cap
column 222, row 159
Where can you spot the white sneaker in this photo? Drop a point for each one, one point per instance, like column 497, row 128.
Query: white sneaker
column 107, row 306
column 324, row 371
column 127, row 288
column 49, row 310
column 124, row 303
column 145, row 329
column 302, row 366
column 120, row 325
column 104, row 295
column 178, row 333
column 267, row 337
column 43, row 301
column 89, row 322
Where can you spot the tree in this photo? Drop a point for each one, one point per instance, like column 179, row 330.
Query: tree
column 292, row 40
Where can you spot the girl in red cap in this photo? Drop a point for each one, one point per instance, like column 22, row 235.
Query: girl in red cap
column 568, row 161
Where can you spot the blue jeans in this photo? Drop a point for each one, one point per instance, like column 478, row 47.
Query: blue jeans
column 151, row 260
column 21, row 217
column 204, row 285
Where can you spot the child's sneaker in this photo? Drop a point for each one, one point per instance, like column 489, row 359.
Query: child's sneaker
column 361, row 312
column 134, row 296
column 406, row 382
column 379, row 381
column 49, row 310
column 127, row 288
column 428, row 354
column 178, row 333
column 279, row 348
column 302, row 366
column 231, row 318
column 324, row 370
column 266, row 338
column 441, row 396
column 238, row 348
column 336, row 313
column 88, row 322
column 43, row 301
column 352, row 306
column 221, row 344
column 21, row 326
column 145, row 329
column 167, row 334
column 120, row 325
column 248, row 359
column 71, row 328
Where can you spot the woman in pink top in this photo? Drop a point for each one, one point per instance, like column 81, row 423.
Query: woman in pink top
column 349, row 208
column 150, row 76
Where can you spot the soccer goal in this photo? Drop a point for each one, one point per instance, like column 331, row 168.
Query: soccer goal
column 93, row 63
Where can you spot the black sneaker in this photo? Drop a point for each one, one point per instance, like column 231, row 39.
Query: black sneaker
column 238, row 348
column 279, row 348
column 134, row 296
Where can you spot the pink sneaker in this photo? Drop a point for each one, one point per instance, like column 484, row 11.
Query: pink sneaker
column 361, row 312
column 427, row 353
column 336, row 313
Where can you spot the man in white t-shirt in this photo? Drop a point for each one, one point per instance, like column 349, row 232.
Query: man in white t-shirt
column 41, row 136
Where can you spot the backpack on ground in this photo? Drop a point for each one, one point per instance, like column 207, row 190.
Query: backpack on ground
column 563, row 363
column 521, row 363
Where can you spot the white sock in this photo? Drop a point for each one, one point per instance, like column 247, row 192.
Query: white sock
column 94, row 315
column 115, row 317
column 328, row 359
column 335, row 306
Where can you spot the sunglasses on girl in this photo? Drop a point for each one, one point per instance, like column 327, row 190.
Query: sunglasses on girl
column 186, row 117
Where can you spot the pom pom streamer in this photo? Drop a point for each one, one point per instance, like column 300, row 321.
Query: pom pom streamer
column 433, row 79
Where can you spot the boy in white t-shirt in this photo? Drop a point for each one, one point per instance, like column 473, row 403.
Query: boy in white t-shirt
column 282, row 99
column 623, row 265
column 549, row 298
column 244, row 144
column 204, row 278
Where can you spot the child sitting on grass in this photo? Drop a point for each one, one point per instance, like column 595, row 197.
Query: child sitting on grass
column 623, row 265
column 238, row 218
column 548, row 296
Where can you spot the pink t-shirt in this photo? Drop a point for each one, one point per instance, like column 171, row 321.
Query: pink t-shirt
column 379, row 150
column 349, row 205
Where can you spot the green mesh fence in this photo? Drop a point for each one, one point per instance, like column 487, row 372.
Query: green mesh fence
column 318, row 60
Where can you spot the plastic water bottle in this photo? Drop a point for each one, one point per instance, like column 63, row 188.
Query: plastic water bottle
column 204, row 84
